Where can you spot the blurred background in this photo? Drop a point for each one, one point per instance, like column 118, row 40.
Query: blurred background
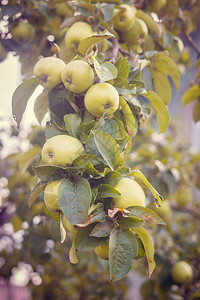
column 33, row 263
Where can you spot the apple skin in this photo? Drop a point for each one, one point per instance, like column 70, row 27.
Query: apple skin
column 76, row 33
column 182, row 272
column 61, row 150
column 136, row 34
column 102, row 251
column 48, row 71
column 183, row 197
column 101, row 98
column 157, row 5
column 123, row 20
column 77, row 76
column 131, row 194
column 51, row 196
column 22, row 32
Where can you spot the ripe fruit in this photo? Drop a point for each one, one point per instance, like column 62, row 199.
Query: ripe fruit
column 51, row 196
column 22, row 32
column 164, row 211
column 136, row 34
column 182, row 272
column 77, row 76
column 102, row 251
column 131, row 194
column 68, row 227
column 76, row 33
column 48, row 71
column 183, row 197
column 123, row 19
column 157, row 5
column 61, row 150
column 101, row 98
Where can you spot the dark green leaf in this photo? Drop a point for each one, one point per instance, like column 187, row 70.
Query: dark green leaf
column 85, row 159
column 130, row 222
column 105, row 191
column 112, row 178
column 102, row 229
column 123, row 248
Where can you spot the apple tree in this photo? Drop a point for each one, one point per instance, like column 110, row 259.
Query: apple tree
column 106, row 67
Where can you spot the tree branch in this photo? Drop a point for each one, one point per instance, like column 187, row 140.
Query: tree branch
column 115, row 49
column 192, row 43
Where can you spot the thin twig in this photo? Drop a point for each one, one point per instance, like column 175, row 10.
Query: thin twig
column 192, row 43
column 115, row 49
column 124, row 52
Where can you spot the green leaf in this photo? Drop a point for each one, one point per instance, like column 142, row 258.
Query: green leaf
column 160, row 109
column 108, row 148
column 90, row 169
column 72, row 122
column 148, row 246
column 128, row 115
column 108, row 12
column 74, row 200
column 145, row 214
column 36, row 191
column 85, row 128
column 130, row 222
column 123, row 67
column 28, row 157
column 123, row 248
column 105, row 71
column 191, row 94
column 138, row 175
column 48, row 172
column 112, row 178
column 85, row 159
column 21, row 96
column 106, row 190
column 86, row 43
column 165, row 64
column 196, row 112
column 162, row 85
column 41, row 106
column 102, row 229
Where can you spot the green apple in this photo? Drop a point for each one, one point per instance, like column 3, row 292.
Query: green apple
column 101, row 98
column 123, row 19
column 61, row 150
column 48, row 71
column 102, row 251
column 182, row 272
column 136, row 34
column 76, row 33
column 183, row 197
column 164, row 211
column 131, row 194
column 157, row 5
column 68, row 227
column 22, row 32
column 77, row 76
column 51, row 196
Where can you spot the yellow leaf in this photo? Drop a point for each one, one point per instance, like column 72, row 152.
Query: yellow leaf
column 162, row 85
column 148, row 246
column 72, row 255
column 151, row 24
column 16, row 223
column 191, row 94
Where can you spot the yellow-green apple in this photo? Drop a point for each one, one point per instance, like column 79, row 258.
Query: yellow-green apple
column 123, row 18
column 183, row 196
column 101, row 98
column 77, row 76
column 61, row 150
column 76, row 33
column 51, row 196
column 136, row 34
column 131, row 194
column 68, row 226
column 102, row 251
column 164, row 210
column 22, row 32
column 48, row 71
column 182, row 272
column 157, row 5
column 63, row 10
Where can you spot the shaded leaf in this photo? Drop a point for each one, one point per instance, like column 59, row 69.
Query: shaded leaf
column 41, row 106
column 26, row 159
column 72, row 254
column 130, row 222
column 72, row 122
column 102, row 229
column 36, row 191
column 106, row 190
column 21, row 96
